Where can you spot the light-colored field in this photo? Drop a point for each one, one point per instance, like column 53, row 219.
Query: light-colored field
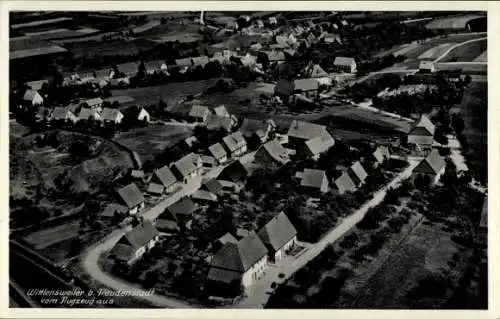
column 51, row 236
column 436, row 51
column 466, row 52
column 45, row 32
column 453, row 22
column 147, row 26
column 405, row 49
column 152, row 140
column 40, row 22
column 483, row 57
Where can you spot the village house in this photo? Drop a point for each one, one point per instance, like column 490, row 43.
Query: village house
column 344, row 64
column 129, row 69
column 313, row 179
column 381, row 154
column 111, row 116
column 433, row 166
column 87, row 114
column 221, row 241
column 153, row 67
column 103, row 74
column 137, row 174
column 208, row 162
column 273, row 21
column 37, row 85
column 213, row 186
column 427, row 66
column 236, row 144
column 165, row 178
column 235, row 172
column 216, row 122
column 204, row 197
column 306, row 87
column 188, row 167
column 137, row 114
column 94, row 103
column 32, row 98
column 63, row 114
column 272, row 153
column 134, row 244
column 257, row 130
column 221, row 111
column 274, row 56
column 112, row 209
column 199, row 113
column 318, row 145
column 131, row 197
column 177, row 216
column 155, row 189
column 422, row 135
column 300, row 132
column 191, row 141
column 279, row 236
column 333, row 38
column 358, row 173
column 218, row 152
column 344, row 183
column 240, row 263
column 315, row 71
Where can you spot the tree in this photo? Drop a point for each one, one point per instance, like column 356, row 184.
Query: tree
column 79, row 150
column 458, row 123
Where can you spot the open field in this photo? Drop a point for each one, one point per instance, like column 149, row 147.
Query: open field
column 51, row 236
column 435, row 51
column 112, row 47
column 425, row 252
column 152, row 140
column 483, row 57
column 62, row 33
column 145, row 27
column 40, row 23
column 459, row 22
column 169, row 93
column 172, row 32
column 467, row 52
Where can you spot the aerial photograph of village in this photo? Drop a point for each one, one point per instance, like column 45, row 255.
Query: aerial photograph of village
column 248, row 159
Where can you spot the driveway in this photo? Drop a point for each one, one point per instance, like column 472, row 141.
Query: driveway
column 258, row 294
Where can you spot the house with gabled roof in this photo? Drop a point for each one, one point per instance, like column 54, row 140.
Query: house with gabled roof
column 110, row 115
column 94, row 103
column 199, row 113
column 257, row 129
column 63, row 114
column 134, row 244
column 103, row 74
column 427, row 66
column 137, row 114
column 216, row 122
column 422, row 134
column 221, row 111
column 279, row 236
column 344, row 183
column 333, row 38
column 165, row 178
column 37, row 85
column 218, row 152
column 213, row 186
column 235, row 143
column 274, row 55
column 381, row 154
column 176, row 216
column 240, row 263
column 300, row 131
column 357, row 173
column 432, row 166
column 344, row 64
column 188, row 167
column 131, row 196
column 87, row 114
column 112, row 209
column 235, row 172
column 318, row 145
column 155, row 67
column 313, row 179
column 204, row 197
column 32, row 97
column 308, row 87
column 129, row 68
column 272, row 153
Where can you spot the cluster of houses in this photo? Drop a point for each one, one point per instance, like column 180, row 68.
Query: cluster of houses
column 91, row 110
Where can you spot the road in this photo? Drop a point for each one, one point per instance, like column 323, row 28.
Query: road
column 258, row 294
column 91, row 256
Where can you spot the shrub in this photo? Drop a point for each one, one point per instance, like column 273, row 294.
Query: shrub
column 349, row 241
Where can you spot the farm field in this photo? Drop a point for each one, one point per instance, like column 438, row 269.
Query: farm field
column 436, row 51
column 172, row 32
column 152, row 140
column 145, row 27
column 424, row 253
column 112, row 47
column 62, row 33
column 40, row 23
column 51, row 236
column 169, row 93
column 467, row 52
column 459, row 22
column 483, row 57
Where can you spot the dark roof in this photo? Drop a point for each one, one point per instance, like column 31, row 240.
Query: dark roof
column 213, row 186
column 276, row 151
column 312, row 178
column 131, row 195
column 183, row 207
column 140, row 235
column 433, row 163
column 277, row 232
column 188, row 164
column 223, row 275
column 165, row 176
column 122, row 252
column 251, row 126
column 217, row 151
column 423, row 127
column 240, row 256
column 236, row 171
